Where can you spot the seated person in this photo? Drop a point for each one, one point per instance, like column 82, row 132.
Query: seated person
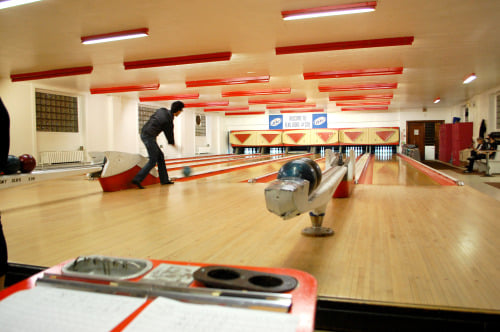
column 476, row 154
column 492, row 145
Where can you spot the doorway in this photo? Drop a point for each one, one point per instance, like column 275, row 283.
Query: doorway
column 424, row 133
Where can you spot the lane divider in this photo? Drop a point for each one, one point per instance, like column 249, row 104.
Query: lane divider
column 441, row 178
column 235, row 168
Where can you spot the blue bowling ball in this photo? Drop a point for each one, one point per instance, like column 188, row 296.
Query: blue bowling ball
column 13, row 165
column 186, row 171
column 300, row 168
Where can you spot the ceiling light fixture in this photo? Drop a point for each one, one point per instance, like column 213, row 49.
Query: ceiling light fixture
column 114, row 36
column 353, row 73
column 256, row 92
column 437, row 100
column 51, row 73
column 128, row 88
column 274, row 107
column 364, row 103
column 206, row 104
column 373, row 108
column 180, row 60
column 13, row 3
column 244, row 108
column 353, row 8
column 228, row 81
column 244, row 113
column 170, row 97
column 277, row 101
column 470, row 78
column 314, row 110
column 374, row 86
column 337, row 46
column 361, row 97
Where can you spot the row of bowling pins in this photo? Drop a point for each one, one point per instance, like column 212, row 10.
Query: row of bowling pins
column 251, row 150
column 383, row 152
column 276, row 150
column 358, row 150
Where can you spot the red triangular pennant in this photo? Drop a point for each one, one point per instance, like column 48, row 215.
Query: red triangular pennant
column 353, row 135
column 242, row 137
column 269, row 137
column 296, row 137
column 385, row 135
column 325, row 136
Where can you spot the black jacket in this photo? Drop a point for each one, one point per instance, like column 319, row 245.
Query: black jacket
column 4, row 135
column 161, row 120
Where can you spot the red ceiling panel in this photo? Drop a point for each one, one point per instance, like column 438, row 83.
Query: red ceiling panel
column 228, row 81
column 128, row 88
column 353, row 73
column 337, row 46
column 51, row 73
column 256, row 92
column 180, row 60
column 361, row 97
column 356, row 87
column 170, row 97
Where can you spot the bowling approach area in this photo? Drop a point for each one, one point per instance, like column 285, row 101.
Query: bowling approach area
column 401, row 239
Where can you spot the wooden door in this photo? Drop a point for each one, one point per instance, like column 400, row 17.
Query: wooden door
column 416, row 136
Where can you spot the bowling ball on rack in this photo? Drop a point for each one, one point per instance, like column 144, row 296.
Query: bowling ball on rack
column 299, row 168
column 12, row 166
column 28, row 163
column 316, row 167
column 186, row 171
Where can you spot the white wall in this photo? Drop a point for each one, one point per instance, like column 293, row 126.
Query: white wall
column 110, row 122
column 19, row 101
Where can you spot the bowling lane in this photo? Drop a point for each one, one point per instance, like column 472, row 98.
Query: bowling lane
column 224, row 172
column 397, row 171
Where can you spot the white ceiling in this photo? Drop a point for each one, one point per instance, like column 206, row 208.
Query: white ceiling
column 452, row 39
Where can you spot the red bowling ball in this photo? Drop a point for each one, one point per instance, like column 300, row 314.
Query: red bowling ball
column 28, row 163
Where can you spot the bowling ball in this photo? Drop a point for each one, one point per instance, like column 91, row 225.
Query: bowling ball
column 12, row 166
column 28, row 163
column 316, row 167
column 299, row 168
column 186, row 171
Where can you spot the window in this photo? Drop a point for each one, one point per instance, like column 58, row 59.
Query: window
column 145, row 113
column 201, row 125
column 498, row 111
column 56, row 113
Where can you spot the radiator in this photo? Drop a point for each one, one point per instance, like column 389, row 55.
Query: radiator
column 60, row 157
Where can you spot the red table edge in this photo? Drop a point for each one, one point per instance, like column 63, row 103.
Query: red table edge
column 304, row 296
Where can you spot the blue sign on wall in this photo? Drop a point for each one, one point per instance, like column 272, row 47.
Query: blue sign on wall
column 319, row 121
column 276, row 121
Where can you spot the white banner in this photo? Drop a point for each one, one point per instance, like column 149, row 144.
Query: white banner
column 297, row 121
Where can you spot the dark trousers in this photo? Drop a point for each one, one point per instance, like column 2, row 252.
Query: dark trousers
column 474, row 156
column 156, row 157
column 3, row 252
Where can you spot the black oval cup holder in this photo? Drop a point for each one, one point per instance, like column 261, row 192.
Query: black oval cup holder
column 232, row 278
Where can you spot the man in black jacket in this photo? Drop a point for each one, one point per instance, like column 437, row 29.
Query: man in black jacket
column 161, row 120
column 476, row 154
column 4, row 153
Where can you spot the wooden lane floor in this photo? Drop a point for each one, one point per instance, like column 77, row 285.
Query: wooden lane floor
column 401, row 244
column 230, row 171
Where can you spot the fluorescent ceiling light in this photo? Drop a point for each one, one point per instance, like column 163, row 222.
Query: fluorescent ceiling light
column 178, row 60
column 128, row 88
column 437, row 100
column 13, row 3
column 470, row 78
column 353, row 8
column 114, row 36
column 51, row 73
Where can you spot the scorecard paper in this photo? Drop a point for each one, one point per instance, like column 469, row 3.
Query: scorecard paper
column 169, row 315
column 46, row 308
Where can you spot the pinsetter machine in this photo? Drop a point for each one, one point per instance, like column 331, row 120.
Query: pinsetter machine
column 302, row 187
